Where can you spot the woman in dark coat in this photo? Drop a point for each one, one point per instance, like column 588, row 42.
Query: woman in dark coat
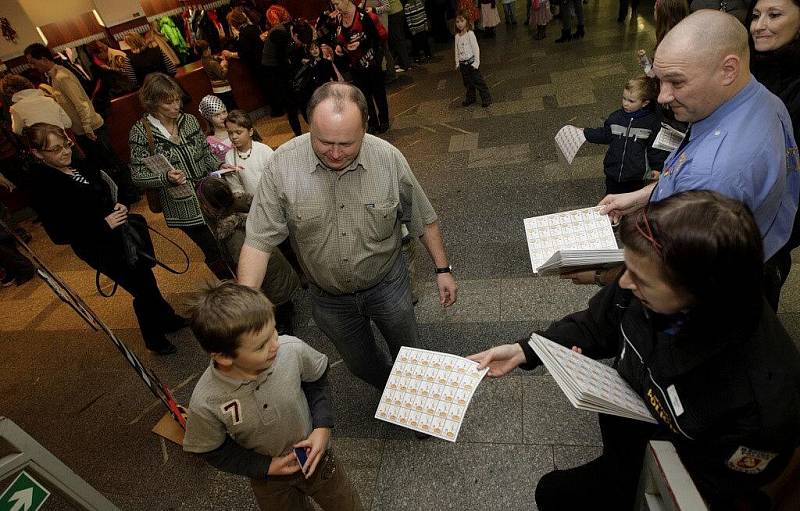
column 78, row 207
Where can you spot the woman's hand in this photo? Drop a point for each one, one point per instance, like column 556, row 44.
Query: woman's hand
column 117, row 217
column 500, row 360
column 176, row 177
column 580, row 277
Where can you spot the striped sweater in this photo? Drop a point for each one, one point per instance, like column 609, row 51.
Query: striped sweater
column 192, row 155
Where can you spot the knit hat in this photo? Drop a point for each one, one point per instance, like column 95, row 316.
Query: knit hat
column 210, row 106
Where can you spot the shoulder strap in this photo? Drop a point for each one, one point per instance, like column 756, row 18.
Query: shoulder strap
column 148, row 133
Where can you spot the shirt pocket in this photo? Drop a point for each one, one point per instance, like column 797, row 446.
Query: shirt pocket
column 269, row 415
column 381, row 219
column 307, row 222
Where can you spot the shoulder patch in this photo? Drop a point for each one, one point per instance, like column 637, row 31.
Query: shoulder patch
column 234, row 409
column 750, row 461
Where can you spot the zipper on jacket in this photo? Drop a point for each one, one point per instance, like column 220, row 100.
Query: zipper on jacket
column 667, row 402
column 624, row 149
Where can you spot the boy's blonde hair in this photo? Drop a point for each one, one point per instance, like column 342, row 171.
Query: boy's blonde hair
column 222, row 313
column 645, row 87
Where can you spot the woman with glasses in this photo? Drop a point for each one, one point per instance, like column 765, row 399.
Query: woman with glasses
column 78, row 206
column 689, row 329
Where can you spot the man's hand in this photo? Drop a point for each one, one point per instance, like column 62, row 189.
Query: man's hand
column 500, row 360
column 580, row 277
column 448, row 289
column 618, row 205
column 176, row 177
column 315, row 446
column 283, row 466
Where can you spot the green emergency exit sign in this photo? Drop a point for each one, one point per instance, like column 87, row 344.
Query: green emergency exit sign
column 24, row 494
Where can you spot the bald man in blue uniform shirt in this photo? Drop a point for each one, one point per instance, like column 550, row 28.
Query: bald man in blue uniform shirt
column 740, row 141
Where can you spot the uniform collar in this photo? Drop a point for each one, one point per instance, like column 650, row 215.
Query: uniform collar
column 714, row 120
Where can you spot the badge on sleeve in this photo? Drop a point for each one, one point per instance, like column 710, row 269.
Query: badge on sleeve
column 750, row 461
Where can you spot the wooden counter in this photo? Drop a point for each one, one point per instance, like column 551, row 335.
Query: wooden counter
column 126, row 110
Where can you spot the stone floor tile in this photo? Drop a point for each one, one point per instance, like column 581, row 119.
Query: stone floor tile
column 437, row 475
column 533, row 298
column 549, row 418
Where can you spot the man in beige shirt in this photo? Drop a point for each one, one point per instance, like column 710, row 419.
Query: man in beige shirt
column 341, row 197
column 88, row 125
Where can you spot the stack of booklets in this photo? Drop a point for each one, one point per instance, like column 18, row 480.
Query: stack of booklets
column 583, row 231
column 589, row 384
column 566, row 261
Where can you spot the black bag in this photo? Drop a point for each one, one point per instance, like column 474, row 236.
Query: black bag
column 137, row 249
column 301, row 82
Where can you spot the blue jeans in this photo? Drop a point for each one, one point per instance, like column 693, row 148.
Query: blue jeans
column 347, row 321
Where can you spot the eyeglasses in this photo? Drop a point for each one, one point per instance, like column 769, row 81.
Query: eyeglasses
column 57, row 149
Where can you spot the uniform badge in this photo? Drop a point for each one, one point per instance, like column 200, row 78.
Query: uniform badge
column 750, row 461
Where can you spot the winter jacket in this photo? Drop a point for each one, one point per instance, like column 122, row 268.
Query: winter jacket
column 630, row 136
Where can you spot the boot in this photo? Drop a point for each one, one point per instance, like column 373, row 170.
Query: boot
column 579, row 33
column 565, row 36
column 540, row 32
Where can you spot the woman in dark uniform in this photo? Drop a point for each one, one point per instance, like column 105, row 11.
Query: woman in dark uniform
column 690, row 330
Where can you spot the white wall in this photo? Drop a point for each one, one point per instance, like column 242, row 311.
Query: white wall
column 115, row 12
column 26, row 30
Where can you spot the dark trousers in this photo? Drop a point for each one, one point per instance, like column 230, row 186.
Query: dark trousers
column 152, row 311
column 776, row 270
column 473, row 79
column 566, row 13
column 100, row 153
column 614, row 186
column 420, row 44
column 608, row 482
column 294, row 107
column 370, row 82
column 347, row 321
column 202, row 237
column 623, row 7
column 12, row 261
column 397, row 39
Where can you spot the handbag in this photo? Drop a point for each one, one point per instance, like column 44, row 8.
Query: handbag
column 301, row 81
column 137, row 249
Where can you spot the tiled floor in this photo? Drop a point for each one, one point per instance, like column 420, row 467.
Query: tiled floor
column 484, row 171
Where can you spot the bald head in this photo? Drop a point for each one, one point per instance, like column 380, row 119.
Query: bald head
column 702, row 63
column 707, row 36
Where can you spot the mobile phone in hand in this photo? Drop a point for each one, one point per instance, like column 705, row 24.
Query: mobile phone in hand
column 300, row 454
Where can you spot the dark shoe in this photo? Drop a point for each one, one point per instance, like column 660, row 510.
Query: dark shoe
column 485, row 104
column 621, row 19
column 514, row 23
column 526, row 23
column 284, row 318
column 175, row 324
column 163, row 348
column 565, row 36
column 579, row 33
column 23, row 234
column 540, row 33
column 382, row 128
column 20, row 280
column 467, row 102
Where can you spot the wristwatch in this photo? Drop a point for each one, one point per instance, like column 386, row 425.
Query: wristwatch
column 446, row 269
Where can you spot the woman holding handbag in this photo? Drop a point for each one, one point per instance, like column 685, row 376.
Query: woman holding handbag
column 78, row 206
column 165, row 130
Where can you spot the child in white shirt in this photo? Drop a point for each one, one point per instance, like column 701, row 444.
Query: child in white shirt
column 249, row 155
column 468, row 60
